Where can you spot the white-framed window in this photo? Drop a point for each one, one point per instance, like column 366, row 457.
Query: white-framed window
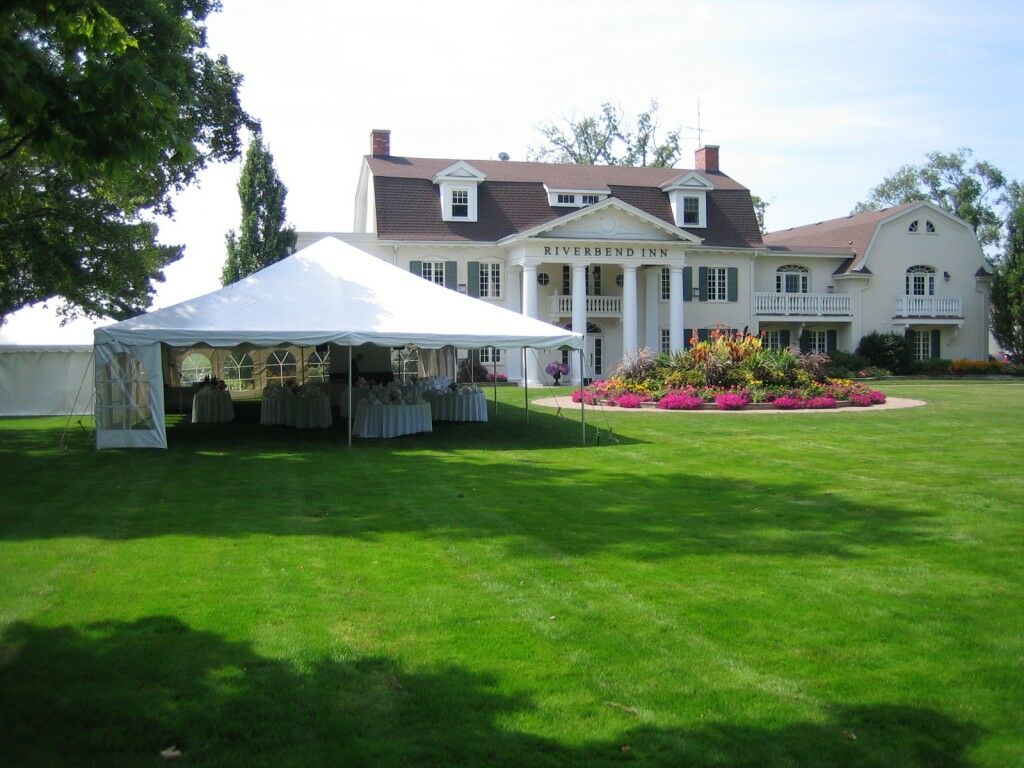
column 920, row 281
column 666, row 341
column 773, row 340
column 318, row 364
column 565, row 199
column 543, row 278
column 718, row 284
column 922, row 345
column 914, row 227
column 595, row 279
column 281, row 366
column 490, row 280
column 691, row 211
column 433, row 271
column 817, row 342
column 666, row 284
column 491, row 356
column 929, row 228
column 238, row 371
column 195, row 367
column 460, row 204
column 590, row 199
column 792, row 279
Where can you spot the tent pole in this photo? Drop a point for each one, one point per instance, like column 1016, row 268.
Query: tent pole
column 526, row 388
column 583, row 409
column 349, row 395
column 494, row 376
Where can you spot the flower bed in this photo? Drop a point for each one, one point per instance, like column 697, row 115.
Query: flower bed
column 727, row 372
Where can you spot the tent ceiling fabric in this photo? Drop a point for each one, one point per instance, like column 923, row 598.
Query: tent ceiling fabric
column 334, row 292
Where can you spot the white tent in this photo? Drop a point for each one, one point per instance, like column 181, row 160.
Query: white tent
column 330, row 292
column 44, row 364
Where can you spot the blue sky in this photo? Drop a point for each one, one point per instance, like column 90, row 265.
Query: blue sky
column 812, row 103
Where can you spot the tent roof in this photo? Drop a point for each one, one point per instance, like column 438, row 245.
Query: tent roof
column 333, row 292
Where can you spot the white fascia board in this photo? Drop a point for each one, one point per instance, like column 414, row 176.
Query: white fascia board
column 461, row 172
column 681, row 182
column 554, row 191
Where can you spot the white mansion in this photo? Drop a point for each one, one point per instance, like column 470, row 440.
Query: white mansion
column 652, row 257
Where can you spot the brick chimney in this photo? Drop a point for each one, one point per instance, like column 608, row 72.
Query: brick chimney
column 706, row 158
column 380, row 142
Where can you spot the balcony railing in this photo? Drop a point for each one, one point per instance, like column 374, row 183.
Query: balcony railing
column 597, row 306
column 802, row 304
column 929, row 306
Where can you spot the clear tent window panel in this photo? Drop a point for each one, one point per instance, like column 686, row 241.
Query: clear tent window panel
column 123, row 395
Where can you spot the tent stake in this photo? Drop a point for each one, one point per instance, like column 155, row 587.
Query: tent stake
column 583, row 408
column 349, row 395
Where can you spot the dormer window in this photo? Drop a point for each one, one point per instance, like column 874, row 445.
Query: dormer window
column 460, row 204
column 691, row 211
column 591, row 199
column 688, row 196
column 573, row 198
column 566, row 199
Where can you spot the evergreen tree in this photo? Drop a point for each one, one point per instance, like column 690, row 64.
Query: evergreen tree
column 1008, row 281
column 263, row 237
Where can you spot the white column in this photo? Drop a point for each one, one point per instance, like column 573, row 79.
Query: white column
column 532, row 372
column 675, row 308
column 579, row 315
column 629, row 319
column 652, row 324
column 514, row 356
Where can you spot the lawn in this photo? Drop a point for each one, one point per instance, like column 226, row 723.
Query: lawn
column 842, row 589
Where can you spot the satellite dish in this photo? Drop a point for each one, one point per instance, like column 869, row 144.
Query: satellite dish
column 503, row 156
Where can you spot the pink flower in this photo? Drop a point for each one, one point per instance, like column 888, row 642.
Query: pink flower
column 680, row 401
column 627, row 400
column 877, row 398
column 861, row 401
column 824, row 401
column 730, row 401
column 788, row 402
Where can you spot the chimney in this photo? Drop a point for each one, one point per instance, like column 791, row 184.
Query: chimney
column 706, row 158
column 380, row 142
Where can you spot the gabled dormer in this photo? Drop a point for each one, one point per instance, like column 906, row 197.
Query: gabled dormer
column 458, row 185
column 688, row 195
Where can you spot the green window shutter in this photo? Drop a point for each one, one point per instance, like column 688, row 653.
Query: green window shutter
column 451, row 275
column 702, row 280
column 473, row 285
column 687, row 286
column 936, row 341
column 416, row 267
column 805, row 341
column 732, row 283
column 687, row 335
column 784, row 339
column 703, row 333
column 831, row 341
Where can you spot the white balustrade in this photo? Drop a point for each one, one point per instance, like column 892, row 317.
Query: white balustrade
column 802, row 304
column 597, row 306
column 929, row 306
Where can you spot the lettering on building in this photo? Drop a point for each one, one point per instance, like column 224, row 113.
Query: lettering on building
column 606, row 252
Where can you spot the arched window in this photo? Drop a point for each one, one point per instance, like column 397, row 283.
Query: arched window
column 195, row 367
column 318, row 364
column 280, row 366
column 929, row 228
column 238, row 371
column 920, row 281
column 792, row 279
column 912, row 229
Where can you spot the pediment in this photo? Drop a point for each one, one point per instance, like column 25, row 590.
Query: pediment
column 610, row 219
column 460, row 171
column 689, row 180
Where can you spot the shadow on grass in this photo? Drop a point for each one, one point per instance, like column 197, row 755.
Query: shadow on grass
column 117, row 693
column 556, row 501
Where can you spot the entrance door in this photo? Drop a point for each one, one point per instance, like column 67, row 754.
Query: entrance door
column 595, row 353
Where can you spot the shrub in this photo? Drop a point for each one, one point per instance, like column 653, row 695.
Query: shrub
column 680, row 401
column 877, row 398
column 788, row 402
column 822, row 401
column 627, row 400
column 501, row 378
column 731, row 401
column 886, row 350
column 861, row 401
column 934, row 367
column 471, row 370
column 637, row 364
column 843, row 364
column 976, row 367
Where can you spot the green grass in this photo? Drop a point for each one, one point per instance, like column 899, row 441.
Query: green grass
column 764, row 590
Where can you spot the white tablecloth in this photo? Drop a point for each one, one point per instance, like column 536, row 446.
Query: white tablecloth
column 457, row 406
column 308, row 411
column 212, row 405
column 272, row 407
column 379, row 420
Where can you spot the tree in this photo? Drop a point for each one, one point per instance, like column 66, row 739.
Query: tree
column 107, row 107
column 951, row 181
column 760, row 206
column 608, row 139
column 1008, row 281
column 264, row 238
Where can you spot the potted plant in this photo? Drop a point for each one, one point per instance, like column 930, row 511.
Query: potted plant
column 556, row 371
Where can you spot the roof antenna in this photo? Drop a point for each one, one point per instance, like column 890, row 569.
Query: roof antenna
column 503, row 156
column 700, row 131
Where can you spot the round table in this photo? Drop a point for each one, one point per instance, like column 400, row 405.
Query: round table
column 457, row 406
column 212, row 405
column 377, row 419
column 272, row 407
column 308, row 411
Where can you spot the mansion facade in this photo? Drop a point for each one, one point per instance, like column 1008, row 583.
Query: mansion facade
column 635, row 257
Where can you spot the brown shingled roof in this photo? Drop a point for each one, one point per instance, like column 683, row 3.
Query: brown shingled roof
column 513, row 199
column 847, row 234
